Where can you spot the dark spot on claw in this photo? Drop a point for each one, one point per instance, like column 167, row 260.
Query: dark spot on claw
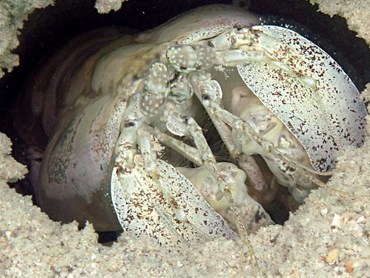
column 206, row 97
column 129, row 124
column 186, row 120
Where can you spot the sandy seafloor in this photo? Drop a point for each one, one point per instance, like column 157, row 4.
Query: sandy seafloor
column 327, row 237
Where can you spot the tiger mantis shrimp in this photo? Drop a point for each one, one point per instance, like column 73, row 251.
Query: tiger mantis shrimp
column 121, row 111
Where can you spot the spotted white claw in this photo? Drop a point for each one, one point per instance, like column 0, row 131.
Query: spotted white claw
column 252, row 213
column 168, row 208
column 294, row 79
column 315, row 99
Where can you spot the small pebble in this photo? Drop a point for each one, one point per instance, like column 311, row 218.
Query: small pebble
column 332, row 256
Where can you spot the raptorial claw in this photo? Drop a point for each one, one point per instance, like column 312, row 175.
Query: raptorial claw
column 251, row 213
column 168, row 209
